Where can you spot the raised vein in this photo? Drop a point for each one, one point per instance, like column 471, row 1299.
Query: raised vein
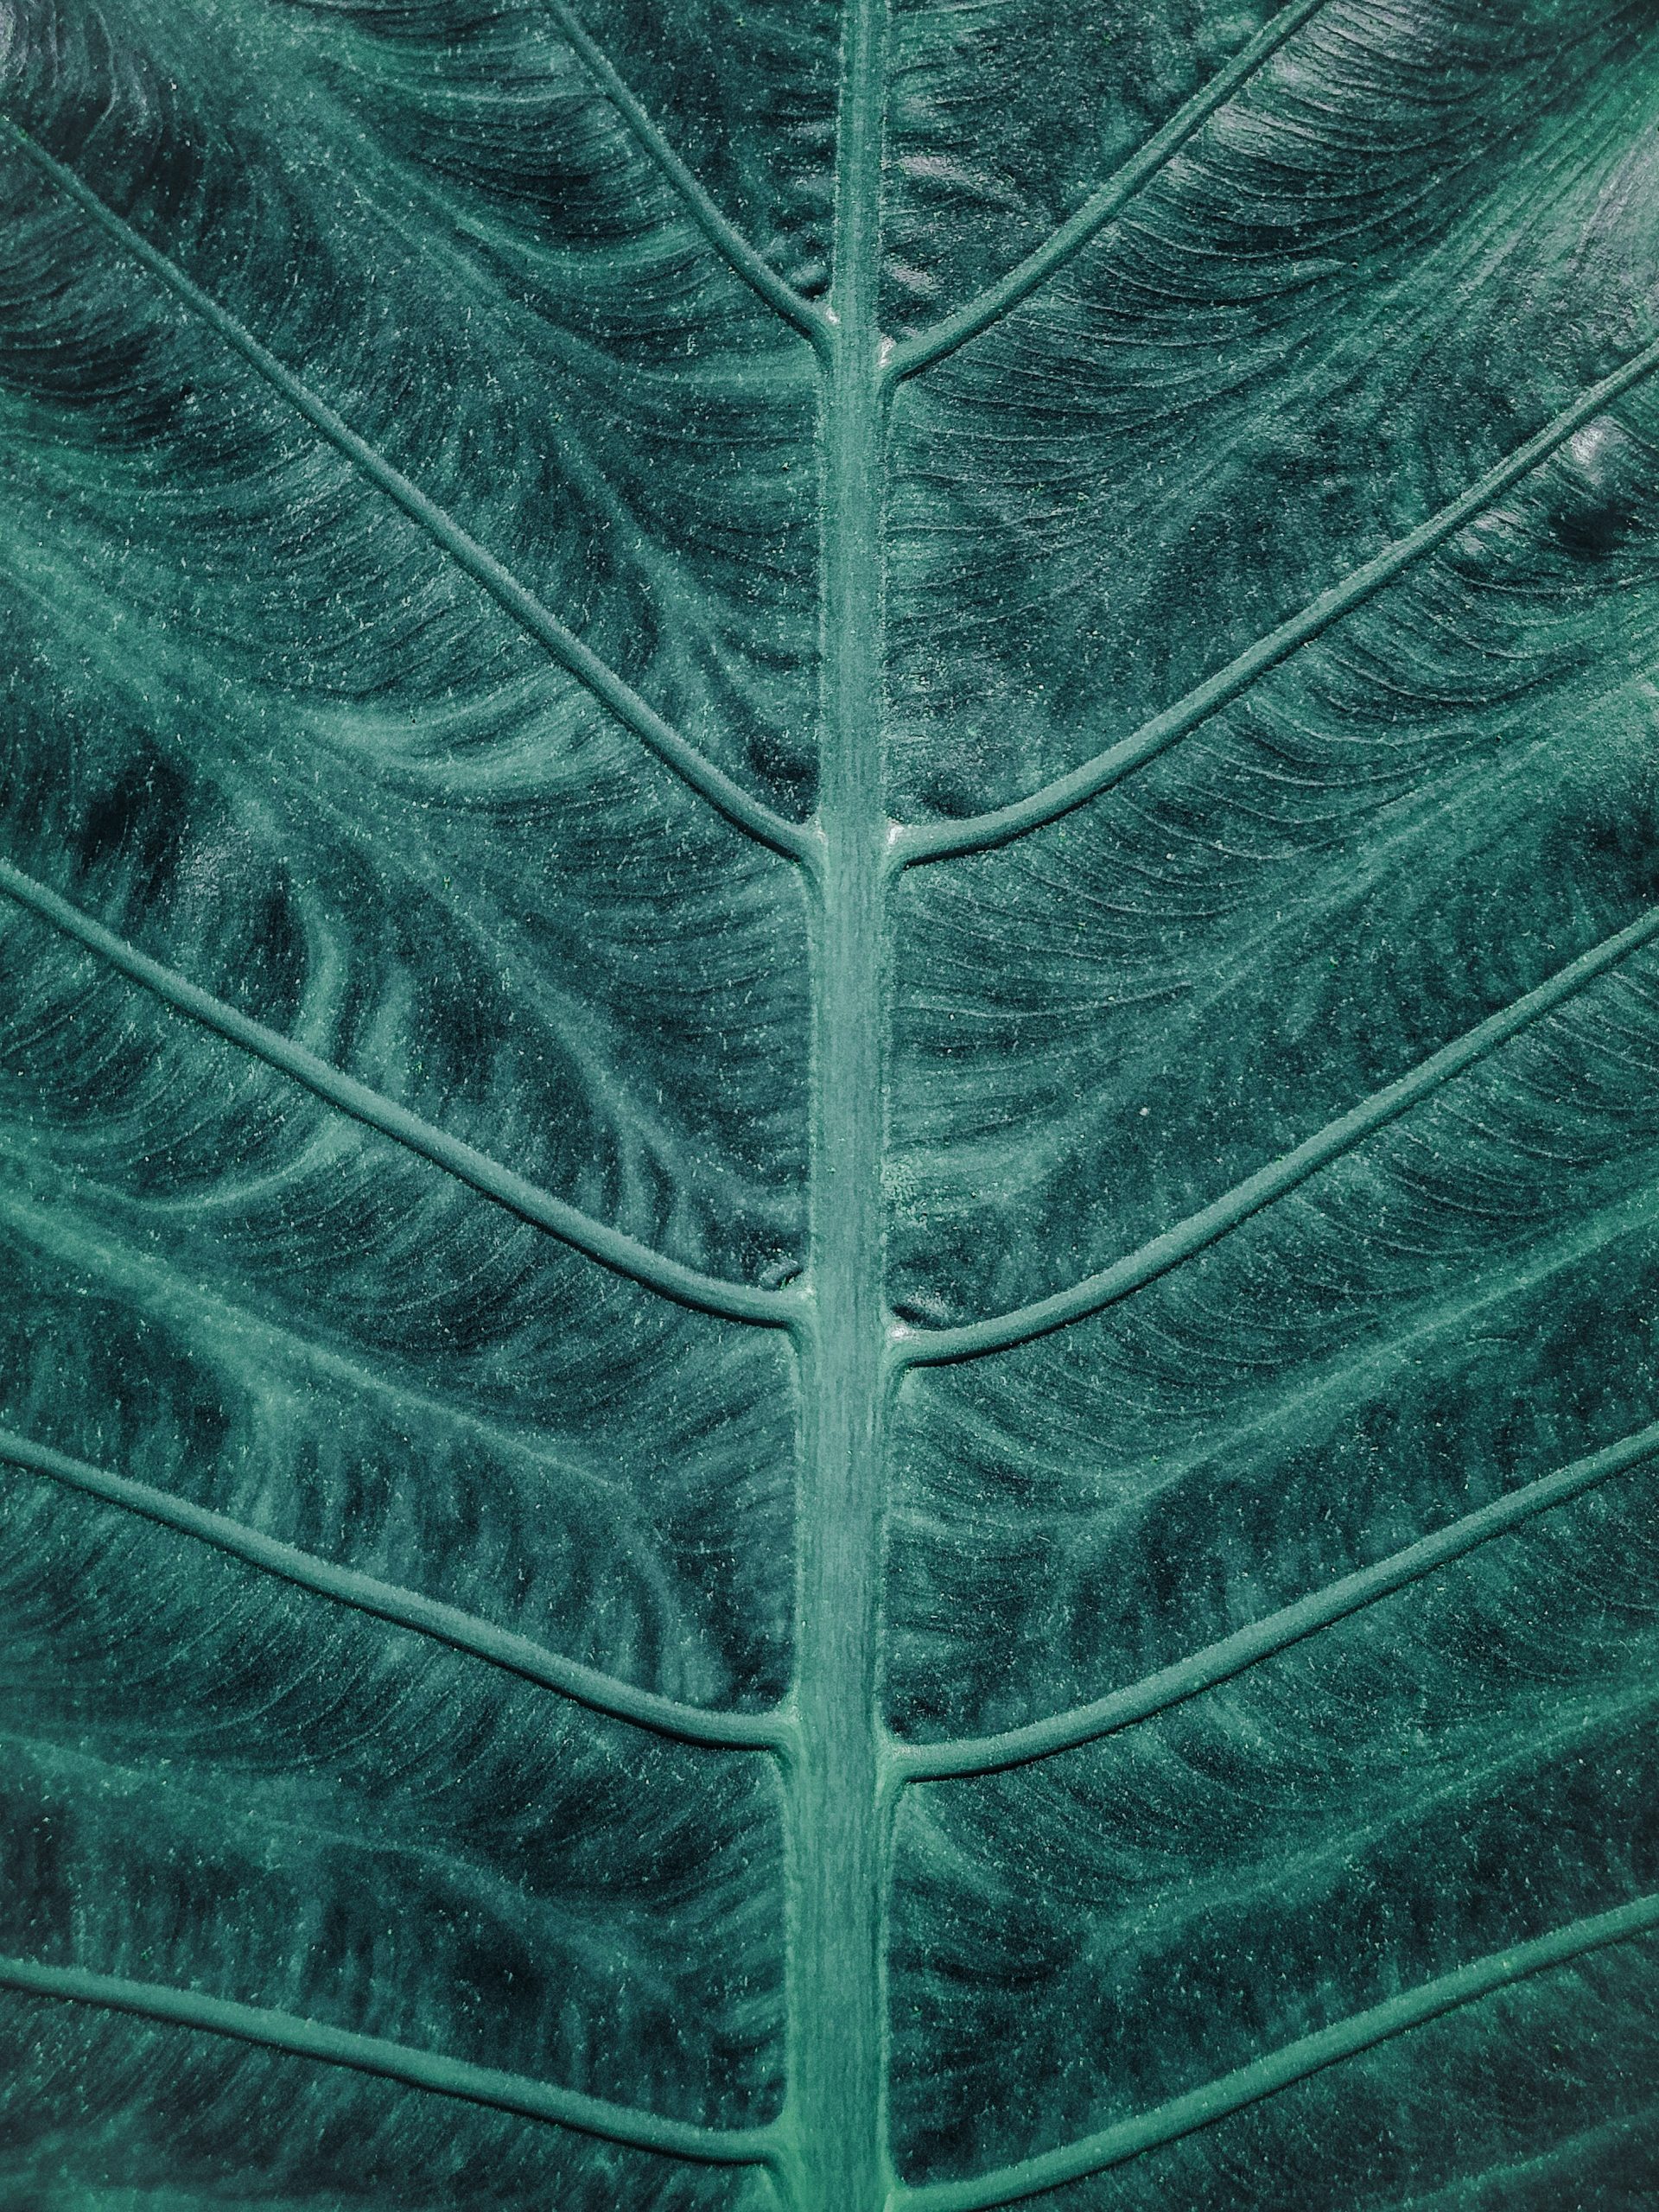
column 723, row 234
column 393, row 2062
column 978, row 832
column 930, row 345
column 1295, row 2062
column 622, row 1254
column 739, row 807
column 1221, row 1662
column 1272, row 1183
column 407, row 1609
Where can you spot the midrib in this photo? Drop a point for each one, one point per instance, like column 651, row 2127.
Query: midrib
column 838, row 1803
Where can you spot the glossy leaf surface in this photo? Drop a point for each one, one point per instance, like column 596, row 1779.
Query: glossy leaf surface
column 830, row 930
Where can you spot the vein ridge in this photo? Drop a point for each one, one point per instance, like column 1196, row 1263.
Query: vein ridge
column 404, row 1608
column 1292, row 2062
column 419, row 2069
column 739, row 253
column 739, row 807
column 1062, row 246
column 971, row 1340
column 1276, row 1632
column 622, row 1254
column 931, row 841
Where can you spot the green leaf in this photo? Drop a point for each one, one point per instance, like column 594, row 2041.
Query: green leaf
column 829, row 908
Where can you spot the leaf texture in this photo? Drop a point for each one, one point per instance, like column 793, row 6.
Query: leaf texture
column 828, row 897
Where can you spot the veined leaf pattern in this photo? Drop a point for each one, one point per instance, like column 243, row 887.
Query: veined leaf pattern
column 828, row 902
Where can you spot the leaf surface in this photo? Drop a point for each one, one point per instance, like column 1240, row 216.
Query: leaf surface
column 828, row 899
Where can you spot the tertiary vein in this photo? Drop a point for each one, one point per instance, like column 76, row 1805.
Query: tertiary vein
column 1295, row 2062
column 407, row 1609
column 1220, row 1662
column 930, row 346
column 328, row 1374
column 418, row 2070
column 916, row 1347
column 1564, row 2166
column 931, row 841
column 738, row 806
column 624, row 1254
column 728, row 240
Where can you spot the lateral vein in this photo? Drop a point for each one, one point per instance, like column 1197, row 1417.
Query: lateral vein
column 978, row 314
column 931, row 841
column 418, row 2070
column 738, row 806
column 406, row 1609
column 971, row 1340
column 1280, row 2069
column 1220, row 1662
column 622, row 1254
column 742, row 257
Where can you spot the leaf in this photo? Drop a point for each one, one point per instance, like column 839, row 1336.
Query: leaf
column 829, row 906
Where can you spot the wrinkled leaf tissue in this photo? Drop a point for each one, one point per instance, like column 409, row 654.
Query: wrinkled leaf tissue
column 829, row 1126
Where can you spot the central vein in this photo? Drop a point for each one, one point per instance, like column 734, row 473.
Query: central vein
column 839, row 1807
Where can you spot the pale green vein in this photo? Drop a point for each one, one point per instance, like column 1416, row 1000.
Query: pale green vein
column 1308, row 1404
column 837, row 1815
column 1464, row 1782
column 930, row 345
column 181, row 1806
column 312, row 1371
column 1565, row 2166
column 1220, row 1662
column 914, row 1347
column 739, row 807
column 407, row 1609
column 395, row 2062
column 723, row 234
column 1266, row 2077
column 931, row 841
column 706, row 1293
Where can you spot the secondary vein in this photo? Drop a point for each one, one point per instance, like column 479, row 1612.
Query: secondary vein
column 1220, row 1662
column 729, row 798
column 930, row 346
column 622, row 1254
column 913, row 1347
column 931, row 841
column 407, row 1609
column 1295, row 2062
column 418, row 2070
column 736, row 250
